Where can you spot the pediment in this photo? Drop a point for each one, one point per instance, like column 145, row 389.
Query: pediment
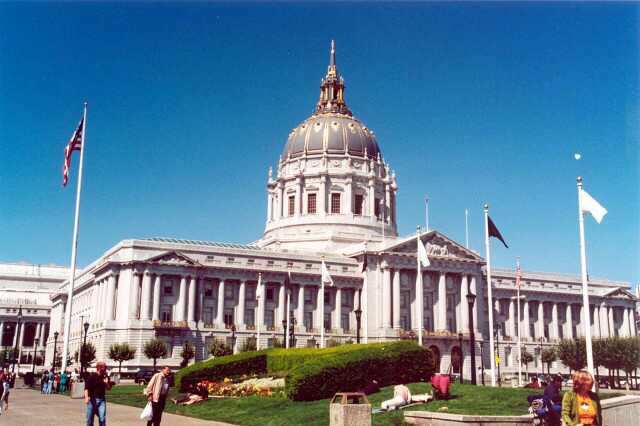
column 173, row 258
column 619, row 293
column 437, row 246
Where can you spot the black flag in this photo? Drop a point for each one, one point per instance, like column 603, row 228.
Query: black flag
column 493, row 232
column 364, row 262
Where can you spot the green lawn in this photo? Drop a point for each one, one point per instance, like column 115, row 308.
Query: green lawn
column 278, row 410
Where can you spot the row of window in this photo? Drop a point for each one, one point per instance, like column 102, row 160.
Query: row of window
column 335, row 205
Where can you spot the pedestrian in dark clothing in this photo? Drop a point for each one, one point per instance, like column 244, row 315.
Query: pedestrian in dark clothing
column 95, row 389
column 554, row 399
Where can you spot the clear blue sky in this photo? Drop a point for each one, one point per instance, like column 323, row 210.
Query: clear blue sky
column 191, row 103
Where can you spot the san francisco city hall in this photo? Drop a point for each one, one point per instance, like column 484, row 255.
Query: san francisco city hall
column 332, row 198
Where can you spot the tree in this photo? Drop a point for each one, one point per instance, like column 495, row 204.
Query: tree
column 120, row 352
column 599, row 350
column 87, row 354
column 548, row 356
column 220, row 348
column 526, row 359
column 248, row 345
column 188, row 352
column 573, row 353
column 154, row 349
column 631, row 356
column 613, row 356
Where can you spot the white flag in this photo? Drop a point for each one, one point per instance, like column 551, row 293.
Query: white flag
column 326, row 276
column 422, row 254
column 590, row 205
column 259, row 288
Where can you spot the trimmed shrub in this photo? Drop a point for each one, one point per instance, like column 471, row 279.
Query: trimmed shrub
column 220, row 348
column 350, row 370
column 219, row 368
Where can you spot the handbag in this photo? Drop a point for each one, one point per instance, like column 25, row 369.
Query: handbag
column 147, row 412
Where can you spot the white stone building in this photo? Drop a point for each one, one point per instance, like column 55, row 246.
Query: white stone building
column 332, row 198
column 27, row 289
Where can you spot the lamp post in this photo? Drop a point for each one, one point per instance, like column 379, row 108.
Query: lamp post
column 35, row 349
column 471, row 300
column 284, row 332
column 233, row 338
column 496, row 332
column 83, row 348
column 482, row 361
column 16, row 355
column 540, row 352
column 358, row 313
column 292, row 331
column 461, row 356
column 55, row 346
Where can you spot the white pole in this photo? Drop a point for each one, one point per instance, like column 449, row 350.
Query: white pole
column 364, row 295
column 490, row 298
column 466, row 227
column 382, row 213
column 259, row 291
column 74, row 247
column 287, row 343
column 419, row 289
column 519, row 342
column 585, row 285
column 321, row 300
column 426, row 212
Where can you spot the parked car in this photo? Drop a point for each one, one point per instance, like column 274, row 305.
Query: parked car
column 143, row 376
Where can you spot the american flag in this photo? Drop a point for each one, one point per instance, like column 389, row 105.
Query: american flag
column 75, row 144
column 518, row 276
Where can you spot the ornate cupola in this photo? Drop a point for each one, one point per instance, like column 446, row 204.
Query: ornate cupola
column 332, row 187
column 332, row 89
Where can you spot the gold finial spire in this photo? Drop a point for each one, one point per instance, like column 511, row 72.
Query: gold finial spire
column 332, row 88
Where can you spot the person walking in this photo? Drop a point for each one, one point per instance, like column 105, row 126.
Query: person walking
column 6, row 388
column 50, row 382
column 43, row 381
column 95, row 389
column 580, row 406
column 156, row 392
column 64, row 377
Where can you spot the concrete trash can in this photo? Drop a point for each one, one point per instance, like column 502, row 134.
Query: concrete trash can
column 350, row 409
column 77, row 390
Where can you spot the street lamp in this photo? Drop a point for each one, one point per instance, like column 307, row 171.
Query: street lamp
column 482, row 361
column 284, row 332
column 18, row 342
column 233, row 338
column 35, row 349
column 471, row 300
column 55, row 346
column 358, row 313
column 540, row 352
column 83, row 348
column 461, row 356
column 292, row 332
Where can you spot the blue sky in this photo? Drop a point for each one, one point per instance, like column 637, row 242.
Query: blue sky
column 189, row 104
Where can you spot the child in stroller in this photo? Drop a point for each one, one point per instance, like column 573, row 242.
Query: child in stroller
column 545, row 412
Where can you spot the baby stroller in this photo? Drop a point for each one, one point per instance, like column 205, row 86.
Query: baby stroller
column 441, row 384
column 545, row 412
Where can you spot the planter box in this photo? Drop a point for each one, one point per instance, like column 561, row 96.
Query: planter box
column 77, row 390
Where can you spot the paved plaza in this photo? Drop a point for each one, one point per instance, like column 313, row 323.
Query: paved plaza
column 30, row 408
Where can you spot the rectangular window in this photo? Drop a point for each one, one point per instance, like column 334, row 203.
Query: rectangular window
column 376, row 209
column 404, row 299
column 327, row 321
column 270, row 294
column 250, row 292
column 357, row 208
column 292, row 204
column 532, row 329
column 228, row 292
column 207, row 315
column 308, row 296
column 165, row 313
column 335, row 203
column 344, row 321
column 507, row 355
column 308, row 320
column 428, row 324
column 208, row 290
column 404, row 322
column 311, row 203
column 250, row 317
column 347, row 298
column 327, row 298
column 228, row 317
column 268, row 318
column 168, row 289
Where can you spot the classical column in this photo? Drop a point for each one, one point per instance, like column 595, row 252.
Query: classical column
column 478, row 308
column 220, row 311
column 463, row 320
column 569, row 323
column 15, row 335
column 349, row 195
column 111, row 293
column 146, row 296
column 298, row 201
column 261, row 304
column 554, row 321
column 241, row 304
column 604, row 320
column 319, row 308
column 387, row 196
column 356, row 304
column 269, row 206
column 21, row 340
column 191, row 307
column 182, row 299
column 540, row 319
column 396, row 298
column 372, row 198
column 156, row 298
column 337, row 318
column 200, row 296
column 322, row 196
column 99, row 311
column 632, row 322
column 596, row 321
column 134, row 293
column 612, row 324
column 300, row 306
column 280, row 200
column 441, row 315
column 512, row 320
column 525, row 314
column 386, row 297
column 282, row 313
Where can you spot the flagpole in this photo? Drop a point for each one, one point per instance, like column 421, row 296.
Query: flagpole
column 288, row 316
column 519, row 341
column 426, row 212
column 382, row 208
column 365, row 293
column 466, row 227
column 489, row 297
column 585, row 286
column 322, row 306
column 74, row 247
column 260, row 317
column 419, row 288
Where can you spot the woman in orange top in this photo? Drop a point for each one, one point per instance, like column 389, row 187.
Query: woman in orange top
column 581, row 406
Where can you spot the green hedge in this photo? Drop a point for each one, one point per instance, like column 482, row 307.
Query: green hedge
column 350, row 370
column 281, row 361
column 220, row 367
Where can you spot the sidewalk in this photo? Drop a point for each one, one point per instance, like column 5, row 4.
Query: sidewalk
column 31, row 408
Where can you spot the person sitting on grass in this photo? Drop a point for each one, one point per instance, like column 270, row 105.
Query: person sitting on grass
column 199, row 393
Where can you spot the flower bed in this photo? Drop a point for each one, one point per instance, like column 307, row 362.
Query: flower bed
column 226, row 388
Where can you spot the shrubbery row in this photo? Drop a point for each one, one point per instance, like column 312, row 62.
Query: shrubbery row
column 218, row 368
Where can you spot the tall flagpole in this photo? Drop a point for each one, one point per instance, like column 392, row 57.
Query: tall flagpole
column 585, row 286
column 519, row 342
column 490, row 298
column 259, row 291
column 364, row 295
column 288, row 316
column 321, row 300
column 426, row 212
column 419, row 288
column 74, row 247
